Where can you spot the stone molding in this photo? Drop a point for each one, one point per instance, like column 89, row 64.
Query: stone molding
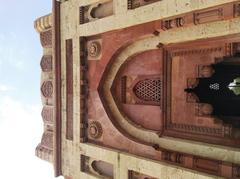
column 43, row 23
column 43, row 26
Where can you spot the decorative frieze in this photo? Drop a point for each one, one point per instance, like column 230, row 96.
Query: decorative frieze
column 196, row 129
column 227, row 130
column 206, row 165
column 196, row 51
column 218, row 13
column 83, row 88
column 214, row 167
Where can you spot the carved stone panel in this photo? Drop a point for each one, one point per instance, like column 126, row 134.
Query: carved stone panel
column 172, row 23
column 218, row 13
column 46, row 38
column 46, row 63
column 148, row 90
column 173, row 157
column 47, row 89
column 205, row 16
column 47, row 114
column 47, row 139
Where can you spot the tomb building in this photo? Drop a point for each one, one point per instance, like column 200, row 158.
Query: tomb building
column 141, row 89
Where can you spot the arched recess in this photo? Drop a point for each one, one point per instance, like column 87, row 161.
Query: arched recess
column 132, row 131
column 120, row 121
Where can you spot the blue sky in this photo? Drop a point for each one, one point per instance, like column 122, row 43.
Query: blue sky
column 21, row 125
column 20, row 47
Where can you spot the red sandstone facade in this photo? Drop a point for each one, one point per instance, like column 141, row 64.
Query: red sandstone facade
column 145, row 90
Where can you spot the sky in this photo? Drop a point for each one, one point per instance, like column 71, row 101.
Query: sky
column 21, row 125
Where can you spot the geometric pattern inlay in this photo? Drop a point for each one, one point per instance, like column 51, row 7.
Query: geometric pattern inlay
column 148, row 90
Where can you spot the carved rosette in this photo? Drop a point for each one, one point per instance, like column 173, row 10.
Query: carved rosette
column 94, row 49
column 46, row 63
column 47, row 89
column 95, row 130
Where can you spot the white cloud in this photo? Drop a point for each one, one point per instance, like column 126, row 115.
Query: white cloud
column 5, row 88
column 11, row 52
column 20, row 132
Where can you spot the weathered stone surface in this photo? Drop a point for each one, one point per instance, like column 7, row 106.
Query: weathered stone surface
column 84, row 89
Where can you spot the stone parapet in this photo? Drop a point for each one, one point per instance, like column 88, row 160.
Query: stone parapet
column 43, row 23
column 43, row 26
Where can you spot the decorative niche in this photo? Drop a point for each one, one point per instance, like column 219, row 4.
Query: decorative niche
column 96, row 167
column 132, row 4
column 95, row 11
